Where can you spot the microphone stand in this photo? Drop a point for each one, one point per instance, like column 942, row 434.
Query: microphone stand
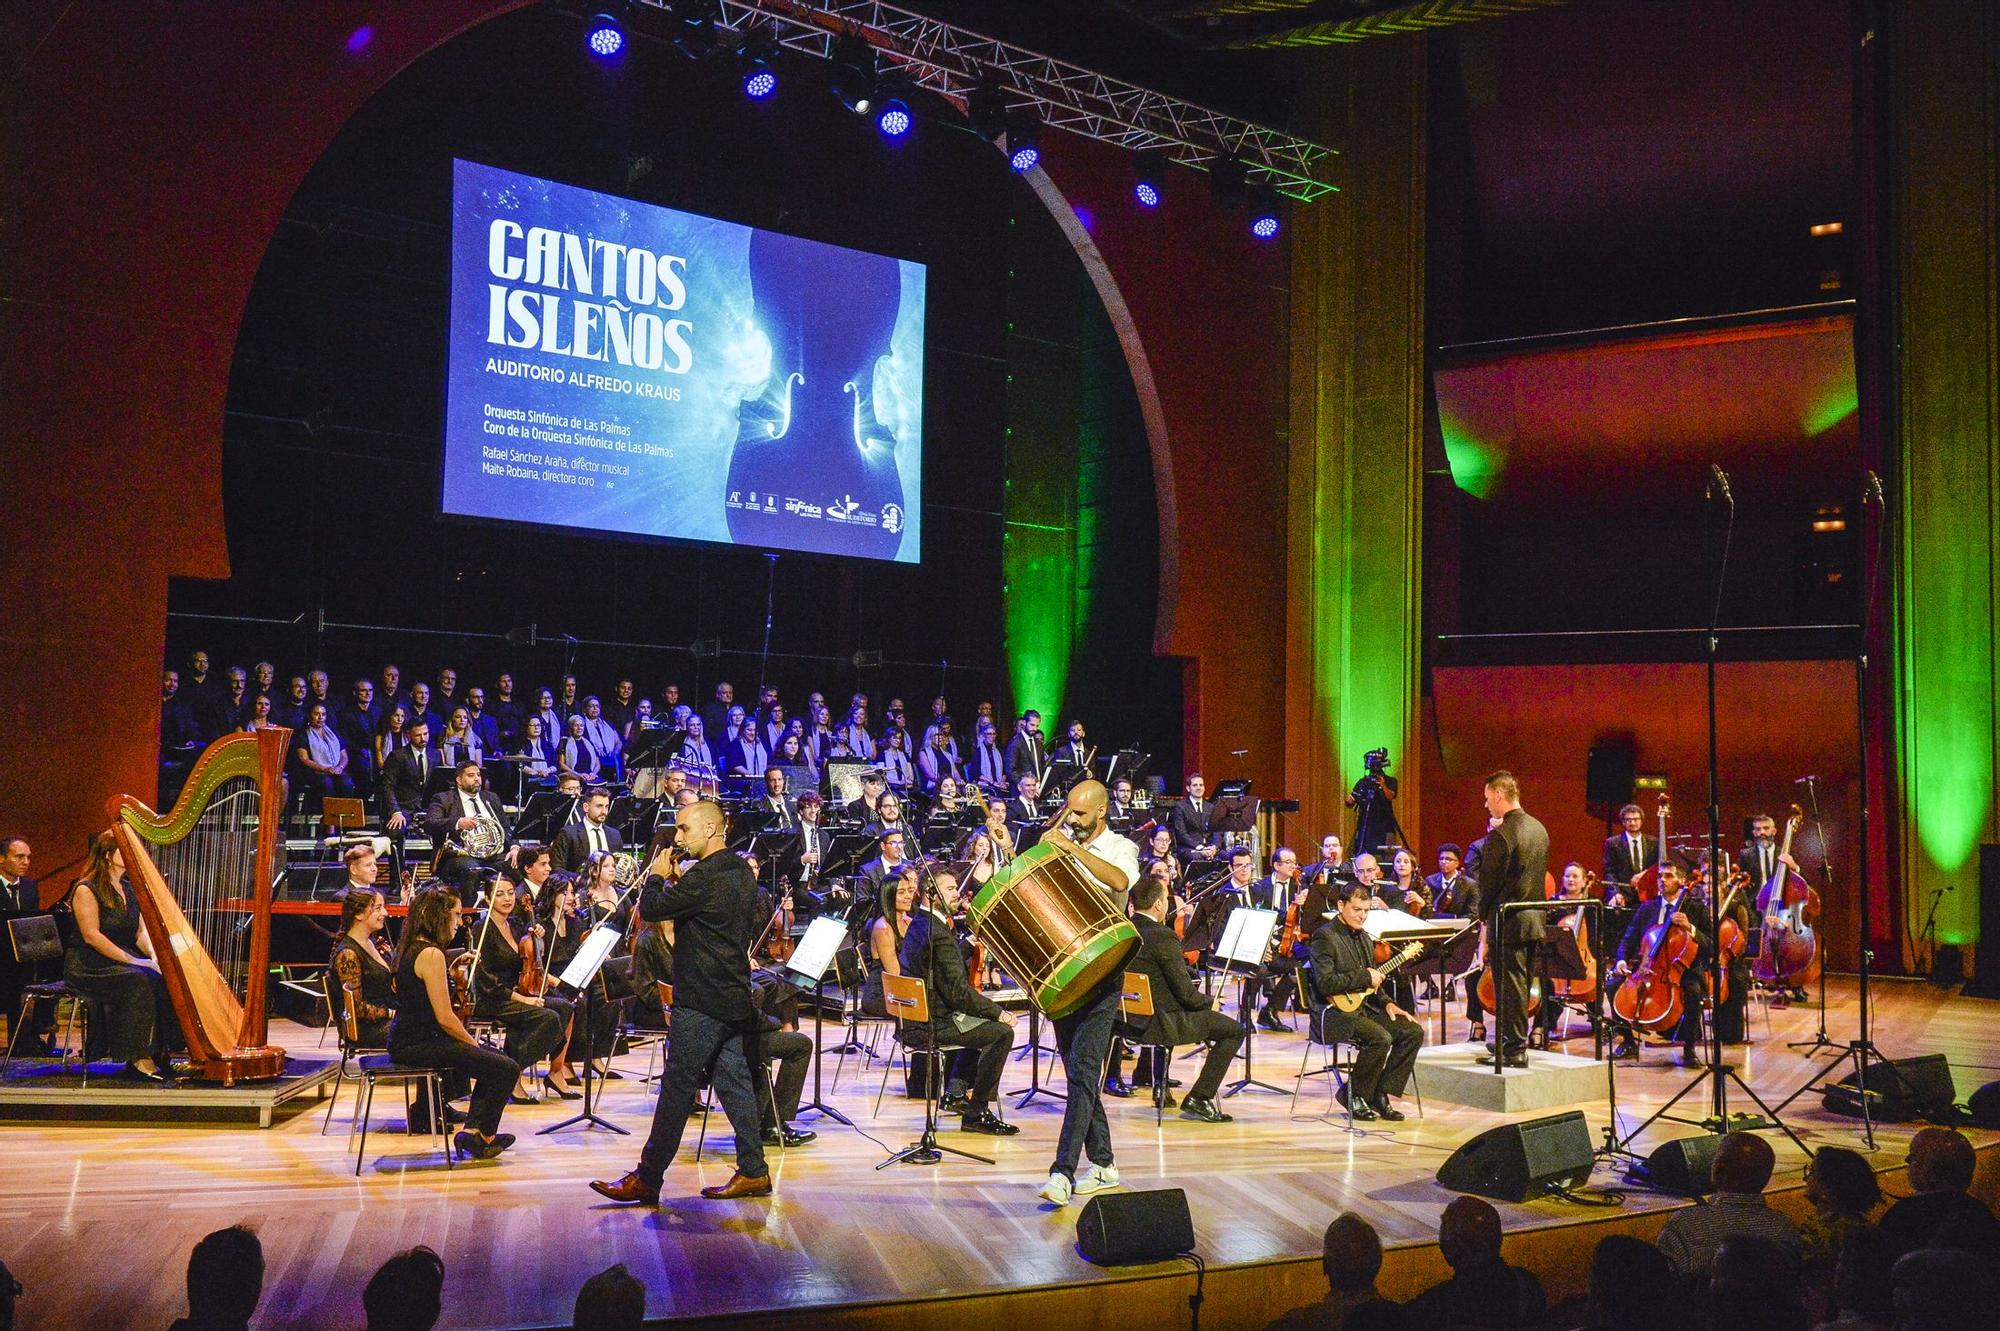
column 588, row 1115
column 1820, row 1039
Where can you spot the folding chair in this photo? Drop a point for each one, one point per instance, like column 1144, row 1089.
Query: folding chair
column 1341, row 1070
column 35, row 940
column 376, row 1068
column 1135, row 1010
column 909, row 1004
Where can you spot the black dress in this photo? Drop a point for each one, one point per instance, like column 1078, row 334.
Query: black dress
column 354, row 964
column 134, row 1017
column 416, row 1038
column 533, row 1032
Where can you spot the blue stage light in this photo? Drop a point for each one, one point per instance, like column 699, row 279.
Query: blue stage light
column 1265, row 224
column 1148, row 196
column 1025, row 157
column 759, row 84
column 1023, row 132
column 895, row 119
column 605, row 37
column 1150, row 170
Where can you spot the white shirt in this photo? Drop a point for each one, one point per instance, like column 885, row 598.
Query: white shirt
column 594, row 833
column 1119, row 852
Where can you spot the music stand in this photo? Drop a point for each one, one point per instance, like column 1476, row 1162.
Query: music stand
column 629, row 813
column 1235, row 814
column 806, row 969
column 543, row 816
column 591, row 954
column 1246, row 940
column 651, row 754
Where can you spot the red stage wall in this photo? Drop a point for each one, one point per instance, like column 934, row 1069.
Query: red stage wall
column 155, row 154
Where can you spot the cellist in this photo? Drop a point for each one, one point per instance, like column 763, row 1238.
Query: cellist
column 1676, row 906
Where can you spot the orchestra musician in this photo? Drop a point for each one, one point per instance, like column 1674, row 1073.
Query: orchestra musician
column 713, row 904
column 1182, row 1013
column 1570, row 887
column 357, row 963
column 426, row 1031
column 1190, row 819
column 1119, row 813
column 592, row 835
column 1073, row 749
column 1025, row 754
column 652, row 964
column 1676, row 905
column 109, row 960
column 458, row 811
column 1083, row 1035
column 861, row 811
column 1760, row 859
column 889, row 818
column 1025, row 806
column 895, row 905
column 1452, row 891
column 776, row 803
column 1277, row 891
column 1385, row 1035
column 1406, row 891
column 1627, row 853
column 960, row 1014
column 19, row 897
column 537, row 1024
column 1514, row 865
column 409, row 776
column 781, row 1042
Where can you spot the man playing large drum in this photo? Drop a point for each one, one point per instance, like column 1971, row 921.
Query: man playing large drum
column 1110, row 861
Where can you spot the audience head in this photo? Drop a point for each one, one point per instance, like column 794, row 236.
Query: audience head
column 1935, row 1288
column 225, row 1278
column 1941, row 1160
column 1743, row 1163
column 1469, row 1233
column 1632, row 1285
column 1841, row 1182
column 406, row 1293
column 1753, row 1272
column 1861, row 1274
column 613, row 1299
column 1350, row 1254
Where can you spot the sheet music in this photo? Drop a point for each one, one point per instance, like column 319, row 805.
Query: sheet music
column 1246, row 935
column 1389, row 922
column 590, row 955
column 814, row 951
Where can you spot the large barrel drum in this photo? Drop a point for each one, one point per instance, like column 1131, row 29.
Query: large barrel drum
column 1053, row 929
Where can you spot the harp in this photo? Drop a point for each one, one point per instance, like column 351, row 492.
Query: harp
column 201, row 874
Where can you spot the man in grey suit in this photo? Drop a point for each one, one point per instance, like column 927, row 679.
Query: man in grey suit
column 1512, row 867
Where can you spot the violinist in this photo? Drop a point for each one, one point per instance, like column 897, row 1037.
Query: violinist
column 1280, row 891
column 1675, row 906
column 536, row 866
column 604, row 904
column 562, row 928
column 362, row 963
column 535, row 1023
column 1386, row 1036
column 1452, row 891
column 1159, row 849
column 1573, row 887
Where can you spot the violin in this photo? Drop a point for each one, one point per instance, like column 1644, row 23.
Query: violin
column 533, row 981
column 459, row 976
column 1729, row 939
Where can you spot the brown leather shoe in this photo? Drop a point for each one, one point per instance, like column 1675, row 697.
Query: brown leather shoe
column 632, row 1188
column 740, row 1185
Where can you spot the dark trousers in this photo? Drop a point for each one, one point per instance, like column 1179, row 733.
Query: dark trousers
column 1689, row 1029
column 533, row 1033
column 1224, row 1037
column 492, row 1073
column 1272, row 991
column 1386, row 1050
column 136, row 1018
column 793, row 1051
column 1084, row 1037
column 975, row 1070
column 724, row 1051
column 1513, row 976
column 465, row 873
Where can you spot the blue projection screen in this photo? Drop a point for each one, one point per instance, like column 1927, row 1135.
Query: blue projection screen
column 621, row 367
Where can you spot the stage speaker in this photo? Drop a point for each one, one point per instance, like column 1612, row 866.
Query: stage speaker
column 1986, row 958
column 1900, row 1090
column 1984, row 1106
column 1685, row 1166
column 1517, row 1161
column 1608, row 773
column 1130, row 1228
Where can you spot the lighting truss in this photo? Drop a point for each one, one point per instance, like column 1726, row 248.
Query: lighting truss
column 950, row 61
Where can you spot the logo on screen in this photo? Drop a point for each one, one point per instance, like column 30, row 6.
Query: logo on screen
column 892, row 518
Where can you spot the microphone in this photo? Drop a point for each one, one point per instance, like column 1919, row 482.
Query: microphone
column 1805, row 780
column 1238, row 753
column 1719, row 484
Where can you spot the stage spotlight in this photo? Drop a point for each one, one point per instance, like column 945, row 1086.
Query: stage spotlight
column 1225, row 182
column 1024, row 133
column 1264, row 218
column 986, row 111
column 693, row 25
column 895, row 119
column 754, row 57
column 854, row 74
column 605, row 38
column 1151, row 169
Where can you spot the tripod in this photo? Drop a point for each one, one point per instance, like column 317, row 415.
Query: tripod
column 1820, row 1040
column 588, row 1115
column 1249, row 1077
column 1862, row 1048
column 1716, row 1074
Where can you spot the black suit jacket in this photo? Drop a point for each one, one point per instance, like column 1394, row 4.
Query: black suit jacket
column 1632, row 947
column 1340, row 958
column 1513, row 866
column 402, row 791
column 1618, row 865
column 1746, row 860
column 1190, row 826
column 571, row 848
column 446, row 809
column 1024, row 754
column 1175, row 997
column 714, row 907
column 1460, row 899
column 23, row 899
column 930, row 953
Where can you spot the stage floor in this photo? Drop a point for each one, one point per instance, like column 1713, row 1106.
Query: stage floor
column 520, row 1234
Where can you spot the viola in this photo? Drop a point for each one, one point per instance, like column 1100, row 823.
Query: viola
column 531, row 967
column 1650, row 998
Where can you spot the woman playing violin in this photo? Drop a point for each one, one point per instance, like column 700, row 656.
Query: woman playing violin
column 535, row 1023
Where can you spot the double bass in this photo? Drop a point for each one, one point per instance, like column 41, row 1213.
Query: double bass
column 1789, row 954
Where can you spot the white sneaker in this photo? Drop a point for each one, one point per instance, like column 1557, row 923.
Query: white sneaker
column 1057, row 1189
column 1095, row 1178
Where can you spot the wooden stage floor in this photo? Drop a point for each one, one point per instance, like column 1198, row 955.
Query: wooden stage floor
column 520, row 1234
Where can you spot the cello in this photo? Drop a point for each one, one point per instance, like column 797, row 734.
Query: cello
column 1582, row 990
column 1789, row 954
column 1650, row 998
column 1728, row 933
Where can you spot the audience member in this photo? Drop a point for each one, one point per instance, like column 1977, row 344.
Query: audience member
column 1942, row 1289
column 1863, row 1298
column 1841, row 1186
column 611, row 1300
column 1941, row 1165
column 406, row 1293
column 1484, row 1290
column 10, row 1294
column 225, row 1278
column 1743, row 1164
column 1632, row 1288
column 1753, row 1285
column 1351, row 1256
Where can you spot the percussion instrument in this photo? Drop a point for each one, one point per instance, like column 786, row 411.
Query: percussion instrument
column 1053, row 929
